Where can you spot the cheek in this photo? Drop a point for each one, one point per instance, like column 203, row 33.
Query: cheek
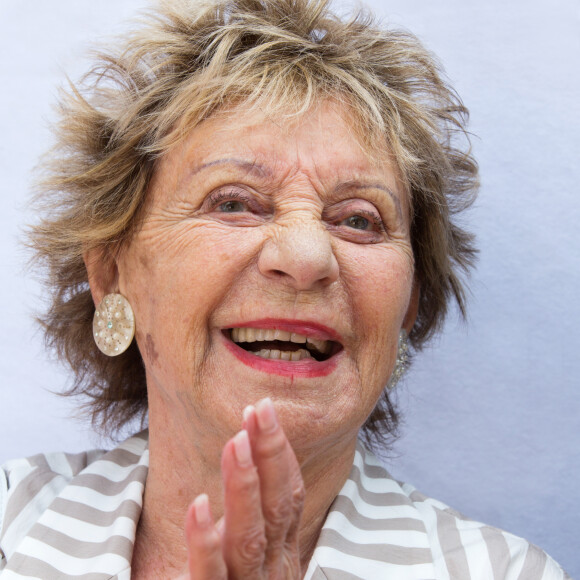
column 181, row 274
column 380, row 284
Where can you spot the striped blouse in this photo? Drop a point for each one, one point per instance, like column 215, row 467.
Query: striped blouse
column 67, row 517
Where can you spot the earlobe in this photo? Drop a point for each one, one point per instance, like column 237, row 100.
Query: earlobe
column 102, row 273
column 412, row 308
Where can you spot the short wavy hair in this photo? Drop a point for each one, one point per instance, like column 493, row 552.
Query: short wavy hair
column 184, row 62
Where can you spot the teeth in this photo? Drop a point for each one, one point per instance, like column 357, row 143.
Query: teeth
column 296, row 355
column 245, row 334
column 320, row 345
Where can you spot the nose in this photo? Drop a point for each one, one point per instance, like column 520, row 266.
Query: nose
column 299, row 252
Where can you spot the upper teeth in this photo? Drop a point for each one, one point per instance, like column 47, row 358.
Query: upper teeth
column 246, row 334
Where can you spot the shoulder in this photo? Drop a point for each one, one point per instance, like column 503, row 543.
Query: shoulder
column 28, row 486
column 465, row 548
column 376, row 519
column 31, row 487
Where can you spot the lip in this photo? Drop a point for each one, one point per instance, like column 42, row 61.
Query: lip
column 305, row 327
column 308, row 368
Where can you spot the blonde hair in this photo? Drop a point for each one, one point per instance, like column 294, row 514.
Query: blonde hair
column 185, row 62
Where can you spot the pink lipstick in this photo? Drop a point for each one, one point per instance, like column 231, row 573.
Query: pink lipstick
column 314, row 348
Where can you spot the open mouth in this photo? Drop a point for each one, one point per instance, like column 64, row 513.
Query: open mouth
column 282, row 345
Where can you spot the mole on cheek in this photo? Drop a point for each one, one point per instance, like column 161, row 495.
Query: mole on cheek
column 150, row 352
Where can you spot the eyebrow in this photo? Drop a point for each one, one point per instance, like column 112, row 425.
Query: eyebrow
column 261, row 171
column 249, row 166
column 362, row 185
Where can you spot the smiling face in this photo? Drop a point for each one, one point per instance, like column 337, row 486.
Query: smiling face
column 273, row 260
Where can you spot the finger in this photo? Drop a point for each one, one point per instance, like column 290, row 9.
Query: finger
column 281, row 487
column 204, row 546
column 244, row 535
column 249, row 420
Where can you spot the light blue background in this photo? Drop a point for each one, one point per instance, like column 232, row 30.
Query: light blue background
column 492, row 408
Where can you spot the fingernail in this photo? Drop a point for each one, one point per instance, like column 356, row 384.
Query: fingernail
column 247, row 412
column 202, row 514
column 266, row 416
column 242, row 449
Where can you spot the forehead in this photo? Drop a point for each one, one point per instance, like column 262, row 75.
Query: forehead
column 323, row 143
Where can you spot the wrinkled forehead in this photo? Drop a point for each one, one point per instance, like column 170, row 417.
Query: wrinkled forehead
column 244, row 125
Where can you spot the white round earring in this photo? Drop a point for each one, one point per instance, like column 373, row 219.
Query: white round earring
column 113, row 325
column 402, row 360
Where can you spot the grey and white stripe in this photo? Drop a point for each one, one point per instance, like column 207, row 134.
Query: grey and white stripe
column 75, row 517
column 81, row 523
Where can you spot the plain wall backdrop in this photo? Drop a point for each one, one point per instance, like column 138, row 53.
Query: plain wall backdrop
column 492, row 408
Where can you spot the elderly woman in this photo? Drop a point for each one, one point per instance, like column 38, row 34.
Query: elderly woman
column 249, row 224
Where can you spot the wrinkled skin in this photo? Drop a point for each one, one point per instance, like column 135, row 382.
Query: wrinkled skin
column 251, row 219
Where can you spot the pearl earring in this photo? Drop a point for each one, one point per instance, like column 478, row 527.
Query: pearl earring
column 113, row 325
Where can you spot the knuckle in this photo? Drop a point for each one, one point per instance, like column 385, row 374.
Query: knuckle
column 278, row 513
column 299, row 494
column 251, row 549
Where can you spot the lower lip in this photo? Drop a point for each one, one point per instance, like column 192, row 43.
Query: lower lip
column 307, row 368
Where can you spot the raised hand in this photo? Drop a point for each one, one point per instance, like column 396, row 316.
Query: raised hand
column 264, row 494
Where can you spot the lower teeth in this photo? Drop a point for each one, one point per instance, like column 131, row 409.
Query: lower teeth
column 294, row 355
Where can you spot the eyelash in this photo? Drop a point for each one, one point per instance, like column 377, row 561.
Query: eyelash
column 372, row 217
column 220, row 197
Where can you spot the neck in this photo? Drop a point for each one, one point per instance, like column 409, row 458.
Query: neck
column 181, row 468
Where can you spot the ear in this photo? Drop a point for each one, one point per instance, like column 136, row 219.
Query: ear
column 102, row 273
column 412, row 308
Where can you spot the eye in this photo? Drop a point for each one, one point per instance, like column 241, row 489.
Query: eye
column 230, row 200
column 358, row 222
column 232, row 206
column 364, row 221
column 236, row 205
